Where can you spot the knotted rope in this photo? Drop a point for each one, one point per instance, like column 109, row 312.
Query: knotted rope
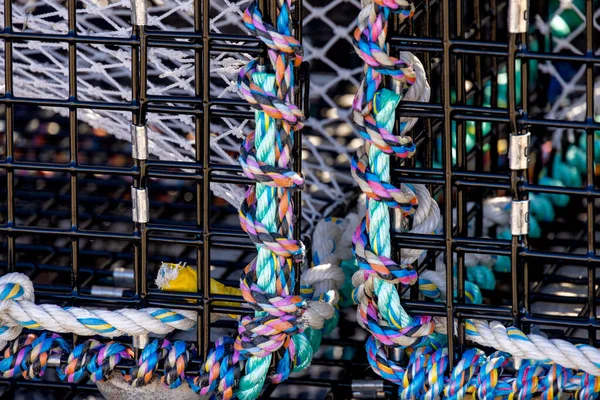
column 379, row 308
column 267, row 283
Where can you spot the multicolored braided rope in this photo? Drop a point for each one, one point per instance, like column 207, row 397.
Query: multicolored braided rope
column 379, row 308
column 266, row 214
column 482, row 377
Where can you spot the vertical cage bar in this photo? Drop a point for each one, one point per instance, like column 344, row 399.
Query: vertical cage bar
column 10, row 140
column 139, row 64
column 517, row 177
column 73, row 146
column 479, row 100
column 447, row 166
column 198, row 85
column 590, row 172
column 522, row 179
column 297, row 150
column 206, row 174
column 461, row 165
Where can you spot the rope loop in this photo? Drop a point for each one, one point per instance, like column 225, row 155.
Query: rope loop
column 28, row 355
column 275, row 107
column 380, row 265
column 277, row 242
column 268, row 174
column 106, row 359
column 175, row 363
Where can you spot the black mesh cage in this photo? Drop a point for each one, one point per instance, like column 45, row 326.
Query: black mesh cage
column 66, row 184
column 488, row 86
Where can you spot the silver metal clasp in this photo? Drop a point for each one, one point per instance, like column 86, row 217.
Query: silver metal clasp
column 140, row 341
column 138, row 12
column 518, row 151
column 519, row 217
column 364, row 389
column 518, row 14
column 140, row 205
column 139, row 142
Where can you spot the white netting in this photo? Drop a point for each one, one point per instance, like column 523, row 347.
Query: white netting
column 104, row 74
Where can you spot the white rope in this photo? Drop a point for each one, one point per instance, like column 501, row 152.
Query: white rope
column 331, row 244
column 513, row 341
column 23, row 312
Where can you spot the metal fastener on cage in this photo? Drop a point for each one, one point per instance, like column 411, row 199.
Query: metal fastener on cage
column 518, row 152
column 363, row 389
column 519, row 217
column 139, row 142
column 517, row 16
column 140, row 205
column 138, row 12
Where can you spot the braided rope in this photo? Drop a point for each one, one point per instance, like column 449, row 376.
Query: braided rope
column 379, row 308
column 486, row 377
column 423, row 378
column 267, row 215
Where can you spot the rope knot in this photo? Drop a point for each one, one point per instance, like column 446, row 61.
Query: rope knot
column 379, row 265
column 76, row 368
column 106, row 359
column 272, row 37
column 376, row 189
column 271, row 104
column 28, row 355
column 264, row 173
column 276, row 242
column 261, row 336
column 369, row 41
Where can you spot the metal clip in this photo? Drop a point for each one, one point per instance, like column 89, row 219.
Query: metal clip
column 140, row 205
column 139, row 142
column 123, row 276
column 517, row 16
column 54, row 360
column 519, row 217
column 107, row 291
column 363, row 389
column 138, row 12
column 518, row 152
column 140, row 342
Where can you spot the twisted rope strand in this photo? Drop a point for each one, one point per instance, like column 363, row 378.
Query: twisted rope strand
column 379, row 309
column 422, row 378
column 18, row 311
column 267, row 215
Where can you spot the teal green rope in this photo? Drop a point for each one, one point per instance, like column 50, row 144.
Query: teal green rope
column 266, row 212
column 384, row 103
